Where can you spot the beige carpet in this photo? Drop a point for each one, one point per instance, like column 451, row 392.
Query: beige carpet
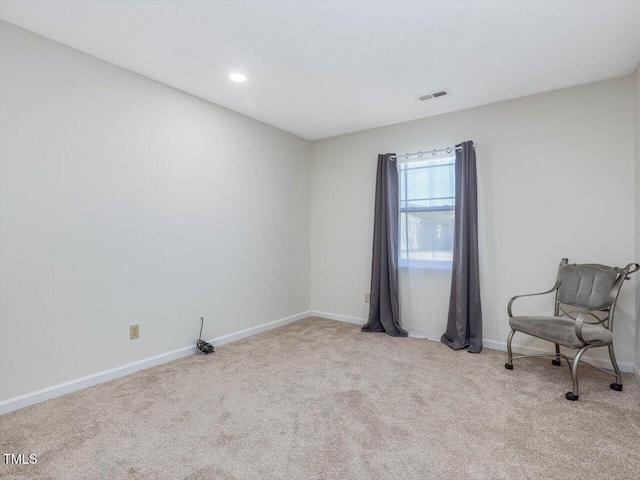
column 319, row 399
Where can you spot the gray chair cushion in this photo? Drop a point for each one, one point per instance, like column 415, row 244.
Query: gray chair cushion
column 560, row 330
column 586, row 285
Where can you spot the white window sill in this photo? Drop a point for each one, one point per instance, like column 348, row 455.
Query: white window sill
column 426, row 264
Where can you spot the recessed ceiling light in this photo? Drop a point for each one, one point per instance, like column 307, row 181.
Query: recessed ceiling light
column 238, row 77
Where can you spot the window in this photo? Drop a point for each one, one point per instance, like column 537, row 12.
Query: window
column 427, row 209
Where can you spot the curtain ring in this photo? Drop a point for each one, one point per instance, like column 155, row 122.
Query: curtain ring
column 434, row 151
column 406, row 155
column 419, row 154
column 448, row 149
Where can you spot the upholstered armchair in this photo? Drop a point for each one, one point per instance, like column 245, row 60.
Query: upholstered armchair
column 592, row 289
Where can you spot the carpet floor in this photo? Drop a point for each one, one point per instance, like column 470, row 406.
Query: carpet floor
column 318, row 399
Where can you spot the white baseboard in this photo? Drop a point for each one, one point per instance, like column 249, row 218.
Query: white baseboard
column 428, row 336
column 340, row 318
column 232, row 337
column 486, row 343
column 362, row 321
column 38, row 396
column 54, row 391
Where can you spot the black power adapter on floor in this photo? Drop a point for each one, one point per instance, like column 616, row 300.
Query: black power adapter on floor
column 203, row 346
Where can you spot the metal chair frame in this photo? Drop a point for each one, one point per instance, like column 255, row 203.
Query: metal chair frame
column 607, row 308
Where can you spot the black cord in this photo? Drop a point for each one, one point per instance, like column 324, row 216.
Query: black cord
column 203, row 346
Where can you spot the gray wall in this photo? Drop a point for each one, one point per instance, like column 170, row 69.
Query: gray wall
column 126, row 201
column 556, row 179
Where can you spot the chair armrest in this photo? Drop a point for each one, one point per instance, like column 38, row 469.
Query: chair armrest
column 527, row 295
column 580, row 321
column 635, row 266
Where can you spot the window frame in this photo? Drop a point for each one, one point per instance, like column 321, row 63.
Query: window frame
column 422, row 264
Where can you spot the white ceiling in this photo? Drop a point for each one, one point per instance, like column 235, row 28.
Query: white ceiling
column 319, row 69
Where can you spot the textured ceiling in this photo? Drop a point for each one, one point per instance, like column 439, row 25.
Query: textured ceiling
column 319, row 69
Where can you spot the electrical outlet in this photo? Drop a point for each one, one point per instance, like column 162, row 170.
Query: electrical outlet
column 134, row 331
column 367, row 298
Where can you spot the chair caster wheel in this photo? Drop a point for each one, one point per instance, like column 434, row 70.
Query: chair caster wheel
column 616, row 386
column 571, row 396
column 508, row 366
column 556, row 363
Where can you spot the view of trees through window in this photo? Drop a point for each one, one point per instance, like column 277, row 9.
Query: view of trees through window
column 427, row 209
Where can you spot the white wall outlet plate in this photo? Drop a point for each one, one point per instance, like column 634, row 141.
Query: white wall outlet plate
column 134, row 331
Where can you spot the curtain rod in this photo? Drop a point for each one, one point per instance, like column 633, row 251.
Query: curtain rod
column 421, row 153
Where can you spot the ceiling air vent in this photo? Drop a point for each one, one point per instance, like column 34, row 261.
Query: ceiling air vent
column 429, row 96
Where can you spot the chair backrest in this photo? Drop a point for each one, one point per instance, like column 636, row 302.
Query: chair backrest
column 587, row 285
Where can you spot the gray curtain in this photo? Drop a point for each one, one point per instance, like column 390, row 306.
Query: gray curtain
column 464, row 325
column 384, row 310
